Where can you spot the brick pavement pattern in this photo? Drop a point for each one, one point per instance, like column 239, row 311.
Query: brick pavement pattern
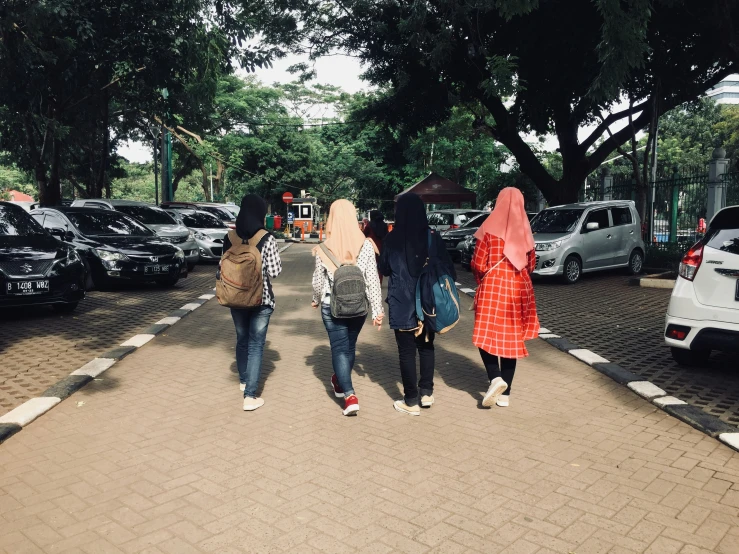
column 158, row 457
column 625, row 324
column 39, row 347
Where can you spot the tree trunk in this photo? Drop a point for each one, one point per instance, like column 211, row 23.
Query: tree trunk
column 206, row 183
column 54, row 188
column 103, row 180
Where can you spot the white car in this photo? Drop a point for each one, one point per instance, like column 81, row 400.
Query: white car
column 703, row 314
column 443, row 220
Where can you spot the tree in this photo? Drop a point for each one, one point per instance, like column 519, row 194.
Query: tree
column 541, row 67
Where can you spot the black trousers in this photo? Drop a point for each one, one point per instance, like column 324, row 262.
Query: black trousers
column 408, row 344
column 506, row 369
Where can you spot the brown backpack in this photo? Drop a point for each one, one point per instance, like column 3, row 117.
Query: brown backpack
column 241, row 281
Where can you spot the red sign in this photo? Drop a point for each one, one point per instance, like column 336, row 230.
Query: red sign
column 287, row 198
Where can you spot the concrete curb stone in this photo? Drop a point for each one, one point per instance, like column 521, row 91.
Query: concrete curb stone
column 7, row 430
column 119, row 352
column 693, row 416
column 67, row 386
column 156, row 329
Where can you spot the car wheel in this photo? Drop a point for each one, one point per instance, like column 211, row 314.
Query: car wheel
column 64, row 308
column 190, row 267
column 168, row 282
column 636, row 262
column 572, row 270
column 690, row 358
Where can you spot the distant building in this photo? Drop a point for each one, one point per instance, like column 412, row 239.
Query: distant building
column 727, row 91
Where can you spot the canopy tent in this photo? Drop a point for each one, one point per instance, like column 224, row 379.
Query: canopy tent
column 435, row 189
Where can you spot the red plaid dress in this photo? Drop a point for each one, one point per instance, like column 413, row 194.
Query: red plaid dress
column 505, row 308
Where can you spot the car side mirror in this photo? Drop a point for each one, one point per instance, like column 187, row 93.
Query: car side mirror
column 593, row 226
column 57, row 232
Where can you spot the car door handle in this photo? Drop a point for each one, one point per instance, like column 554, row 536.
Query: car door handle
column 609, row 236
column 631, row 232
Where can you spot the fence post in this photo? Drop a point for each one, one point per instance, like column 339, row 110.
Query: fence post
column 674, row 204
column 717, row 167
column 606, row 184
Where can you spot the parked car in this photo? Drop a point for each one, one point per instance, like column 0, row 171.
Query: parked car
column 441, row 220
column 26, row 205
column 114, row 246
column 586, row 237
column 208, row 229
column 703, row 314
column 35, row 267
column 466, row 247
column 227, row 216
column 156, row 219
column 454, row 238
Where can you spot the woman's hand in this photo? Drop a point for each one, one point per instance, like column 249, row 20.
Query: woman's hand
column 314, row 304
column 377, row 322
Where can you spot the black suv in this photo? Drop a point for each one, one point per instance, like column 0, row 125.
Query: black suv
column 36, row 268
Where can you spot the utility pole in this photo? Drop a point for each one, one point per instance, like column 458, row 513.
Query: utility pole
column 211, row 182
column 167, row 195
column 156, row 172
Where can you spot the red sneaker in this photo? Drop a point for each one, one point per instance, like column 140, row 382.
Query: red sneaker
column 351, row 406
column 338, row 391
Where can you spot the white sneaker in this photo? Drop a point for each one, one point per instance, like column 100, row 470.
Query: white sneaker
column 503, row 401
column 251, row 404
column 404, row 408
column 497, row 387
column 427, row 400
column 242, row 387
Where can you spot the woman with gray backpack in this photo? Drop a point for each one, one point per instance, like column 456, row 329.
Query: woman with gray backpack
column 346, row 286
column 250, row 259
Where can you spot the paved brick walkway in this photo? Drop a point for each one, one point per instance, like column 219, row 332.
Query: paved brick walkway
column 625, row 324
column 158, row 457
column 38, row 347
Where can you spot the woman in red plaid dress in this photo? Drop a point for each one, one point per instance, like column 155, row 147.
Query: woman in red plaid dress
column 505, row 308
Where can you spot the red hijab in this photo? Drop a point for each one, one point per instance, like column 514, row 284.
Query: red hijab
column 510, row 223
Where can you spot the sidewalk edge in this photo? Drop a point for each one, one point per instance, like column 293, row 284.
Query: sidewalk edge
column 693, row 416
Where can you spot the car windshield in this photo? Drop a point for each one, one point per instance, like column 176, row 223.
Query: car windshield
column 147, row 215
column 107, row 223
column 202, row 221
column 475, row 221
column 556, row 221
column 220, row 213
column 14, row 222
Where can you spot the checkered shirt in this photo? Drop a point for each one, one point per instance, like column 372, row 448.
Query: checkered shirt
column 505, row 308
column 271, row 268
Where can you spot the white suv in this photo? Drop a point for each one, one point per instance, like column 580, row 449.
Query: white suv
column 703, row 314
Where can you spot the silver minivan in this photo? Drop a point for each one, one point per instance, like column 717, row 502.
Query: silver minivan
column 590, row 236
column 158, row 220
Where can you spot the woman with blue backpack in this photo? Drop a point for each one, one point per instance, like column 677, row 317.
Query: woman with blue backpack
column 406, row 251
column 346, row 286
column 505, row 307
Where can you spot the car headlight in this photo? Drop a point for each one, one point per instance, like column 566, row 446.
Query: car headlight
column 548, row 246
column 191, row 235
column 201, row 236
column 180, row 254
column 108, row 256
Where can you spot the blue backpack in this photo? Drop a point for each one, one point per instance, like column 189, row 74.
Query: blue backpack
column 437, row 299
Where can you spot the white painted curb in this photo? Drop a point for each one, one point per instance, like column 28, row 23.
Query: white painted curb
column 731, row 439
column 544, row 331
column 206, row 296
column 647, row 390
column 30, row 410
column 667, row 401
column 138, row 340
column 588, row 356
column 190, row 307
column 168, row 321
column 95, row 367
column 549, row 336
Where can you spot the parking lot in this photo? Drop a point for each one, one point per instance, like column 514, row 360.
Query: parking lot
column 38, row 347
column 625, row 324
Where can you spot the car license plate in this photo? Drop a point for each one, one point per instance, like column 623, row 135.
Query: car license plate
column 23, row 288
column 156, row 269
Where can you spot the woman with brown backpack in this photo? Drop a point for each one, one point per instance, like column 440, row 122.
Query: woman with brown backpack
column 250, row 259
column 347, row 287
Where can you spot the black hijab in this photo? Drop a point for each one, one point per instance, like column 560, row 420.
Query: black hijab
column 410, row 232
column 377, row 224
column 251, row 216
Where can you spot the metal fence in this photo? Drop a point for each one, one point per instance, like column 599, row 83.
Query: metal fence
column 730, row 183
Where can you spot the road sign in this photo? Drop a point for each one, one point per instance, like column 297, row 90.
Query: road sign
column 290, row 217
column 287, row 198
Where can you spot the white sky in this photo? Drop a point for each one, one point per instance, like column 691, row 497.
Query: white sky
column 339, row 70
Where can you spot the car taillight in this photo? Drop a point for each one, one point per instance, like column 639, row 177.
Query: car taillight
column 691, row 262
column 454, row 226
column 677, row 332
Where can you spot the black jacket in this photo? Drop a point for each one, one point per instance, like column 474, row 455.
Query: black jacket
column 401, row 287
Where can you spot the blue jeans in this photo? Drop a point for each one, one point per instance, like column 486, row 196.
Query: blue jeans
column 342, row 334
column 251, row 332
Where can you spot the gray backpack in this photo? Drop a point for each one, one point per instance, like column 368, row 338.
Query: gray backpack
column 349, row 292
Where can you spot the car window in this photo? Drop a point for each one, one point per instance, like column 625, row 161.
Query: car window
column 621, row 216
column 100, row 205
column 54, row 222
column 200, row 220
column 463, row 218
column 726, row 240
column 222, row 214
column 600, row 217
column 147, row 215
column 15, row 222
column 434, row 219
column 109, row 223
column 556, row 221
column 475, row 221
